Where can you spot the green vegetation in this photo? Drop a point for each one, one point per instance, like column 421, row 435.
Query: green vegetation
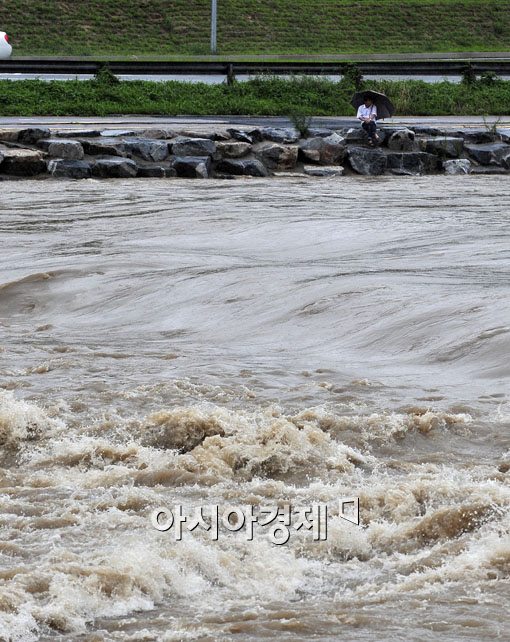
column 165, row 28
column 261, row 96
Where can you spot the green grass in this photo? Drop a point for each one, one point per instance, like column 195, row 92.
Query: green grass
column 261, row 96
column 164, row 28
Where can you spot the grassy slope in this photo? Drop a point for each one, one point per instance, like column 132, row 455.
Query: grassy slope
column 169, row 27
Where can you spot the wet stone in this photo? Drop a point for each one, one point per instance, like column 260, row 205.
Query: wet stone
column 114, row 168
column 277, row 157
column 22, row 162
column 457, row 166
column 411, row 163
column 62, row 148
column 192, row 166
column 244, row 167
column 185, row 146
column 367, row 161
column 75, row 169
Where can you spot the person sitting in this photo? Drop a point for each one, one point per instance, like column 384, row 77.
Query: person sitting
column 367, row 113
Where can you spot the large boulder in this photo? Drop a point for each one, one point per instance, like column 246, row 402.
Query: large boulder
column 114, row 168
column 280, row 135
column 402, row 140
column 77, row 133
column 192, row 166
column 103, row 146
column 147, row 148
column 319, row 132
column 479, row 136
column 354, row 135
column 329, row 150
column 245, row 136
column 9, row 135
column 443, row 146
column 117, row 133
column 277, row 157
column 156, row 133
column 489, row 153
column 32, row 135
column 155, row 170
column 22, row 162
column 242, row 167
column 76, row 169
column 187, row 146
column 367, row 161
column 216, row 134
column 62, row 148
column 411, row 163
column 233, row 149
column 313, row 170
column 457, row 166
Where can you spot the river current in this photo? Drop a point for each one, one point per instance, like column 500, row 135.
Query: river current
column 255, row 343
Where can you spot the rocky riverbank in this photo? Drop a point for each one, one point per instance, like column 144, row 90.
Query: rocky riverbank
column 260, row 151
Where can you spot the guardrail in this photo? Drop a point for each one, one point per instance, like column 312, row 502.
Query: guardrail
column 224, row 67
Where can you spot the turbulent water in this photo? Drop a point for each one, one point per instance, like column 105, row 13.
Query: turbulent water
column 255, row 343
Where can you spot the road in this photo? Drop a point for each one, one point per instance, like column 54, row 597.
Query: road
column 134, row 122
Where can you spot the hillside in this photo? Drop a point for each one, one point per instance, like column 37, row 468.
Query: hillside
column 181, row 27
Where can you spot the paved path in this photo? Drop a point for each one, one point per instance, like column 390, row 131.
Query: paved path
column 183, row 122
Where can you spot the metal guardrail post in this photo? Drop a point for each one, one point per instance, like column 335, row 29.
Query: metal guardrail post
column 214, row 25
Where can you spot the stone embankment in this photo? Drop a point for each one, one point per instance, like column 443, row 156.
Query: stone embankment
column 263, row 151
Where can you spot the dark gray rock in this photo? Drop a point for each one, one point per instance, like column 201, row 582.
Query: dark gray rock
column 233, row 149
column 329, row 150
column 147, row 148
column 103, row 147
column 22, row 162
column 318, row 132
column 62, row 148
column 443, row 146
column 277, row 157
column 367, row 161
column 488, row 170
column 355, row 135
column 489, row 154
column 313, row 170
column 9, row 134
column 424, row 130
column 242, row 135
column 505, row 135
column 31, row 135
column 76, row 169
column 118, row 133
column 114, row 168
column 242, row 167
column 78, row 133
column 185, row 146
column 159, row 134
column 457, row 166
column 192, row 166
column 216, row 135
column 479, row 136
column 411, row 163
column 402, row 140
column 154, row 170
column 280, row 135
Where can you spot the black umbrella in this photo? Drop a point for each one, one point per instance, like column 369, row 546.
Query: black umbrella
column 385, row 108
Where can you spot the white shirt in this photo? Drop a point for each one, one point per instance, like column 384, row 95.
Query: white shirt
column 367, row 112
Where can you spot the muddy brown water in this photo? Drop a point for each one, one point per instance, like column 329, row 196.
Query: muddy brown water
column 255, row 343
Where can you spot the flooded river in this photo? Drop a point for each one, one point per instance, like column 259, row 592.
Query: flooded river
column 255, row 344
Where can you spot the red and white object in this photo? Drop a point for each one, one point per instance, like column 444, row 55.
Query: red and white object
column 5, row 47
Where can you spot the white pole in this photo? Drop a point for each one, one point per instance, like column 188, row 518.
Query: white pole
column 214, row 25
